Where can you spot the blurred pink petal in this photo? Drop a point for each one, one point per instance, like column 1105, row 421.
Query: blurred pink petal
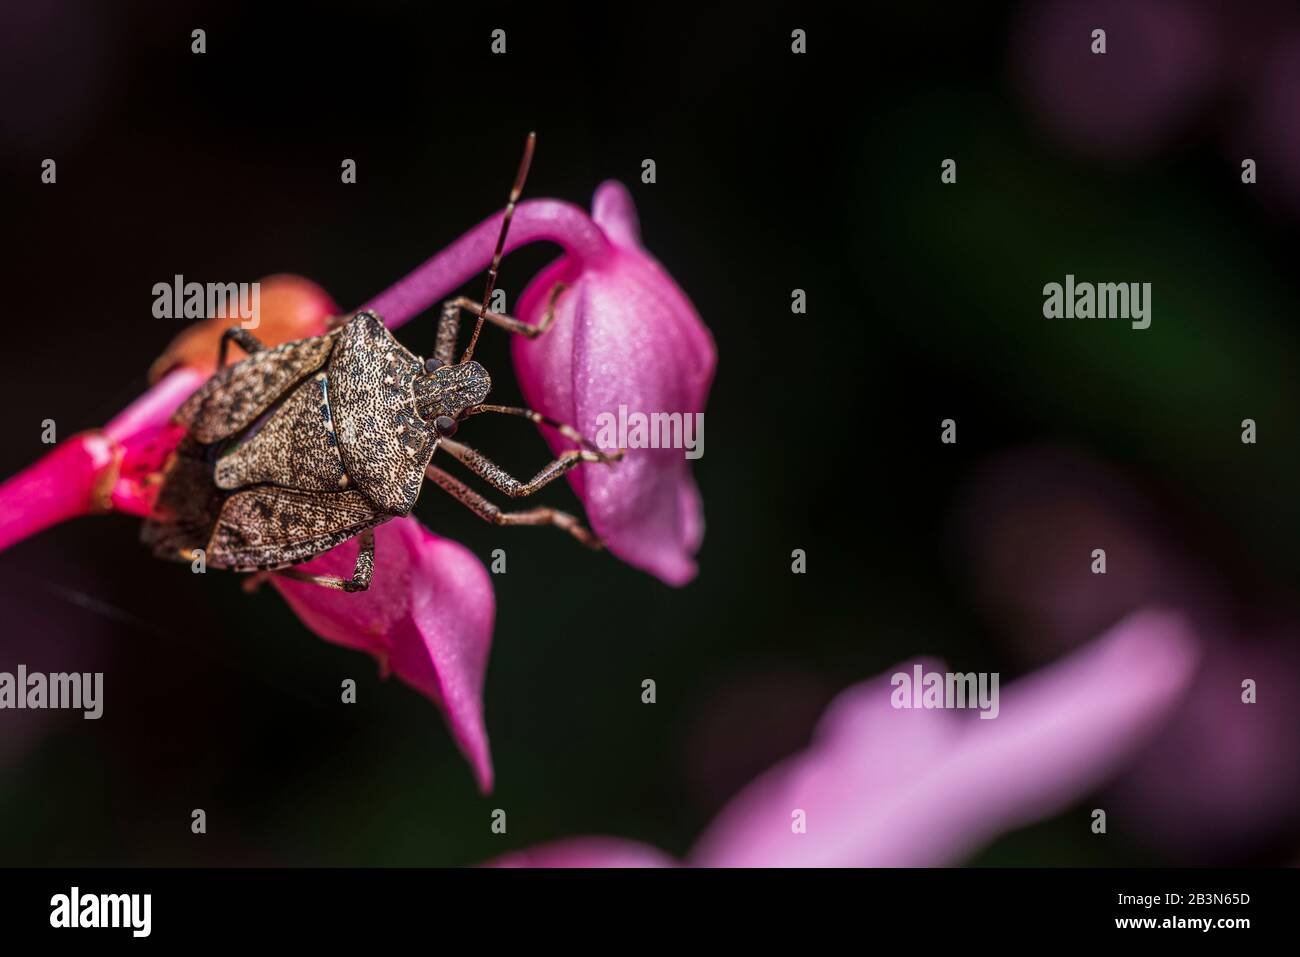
column 1210, row 789
column 1270, row 134
column 1222, row 783
column 427, row 616
column 65, row 56
column 1032, row 518
column 736, row 735
column 1162, row 63
column 624, row 335
column 587, row 852
column 887, row 787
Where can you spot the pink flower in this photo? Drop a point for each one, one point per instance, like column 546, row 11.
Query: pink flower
column 882, row 786
column 429, row 611
column 625, row 337
column 1167, row 66
column 624, row 334
column 1211, row 789
column 589, row 852
column 1162, row 63
column 1268, row 130
column 427, row 616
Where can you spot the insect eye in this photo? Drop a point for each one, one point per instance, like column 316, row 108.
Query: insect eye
column 445, row 425
column 433, row 363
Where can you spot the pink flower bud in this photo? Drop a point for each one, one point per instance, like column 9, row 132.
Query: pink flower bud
column 625, row 340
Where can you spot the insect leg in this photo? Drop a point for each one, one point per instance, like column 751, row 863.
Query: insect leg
column 361, row 573
column 491, row 513
column 500, row 479
column 246, row 340
column 568, row 431
column 449, row 322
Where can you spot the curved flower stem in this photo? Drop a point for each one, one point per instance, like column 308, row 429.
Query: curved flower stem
column 75, row 478
column 535, row 219
column 84, row 474
column 155, row 407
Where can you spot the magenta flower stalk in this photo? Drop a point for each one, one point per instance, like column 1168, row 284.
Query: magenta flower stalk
column 118, row 467
column 888, row 787
column 624, row 336
column 72, row 480
column 99, row 470
column 436, row 278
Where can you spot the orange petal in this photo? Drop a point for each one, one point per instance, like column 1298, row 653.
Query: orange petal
column 291, row 308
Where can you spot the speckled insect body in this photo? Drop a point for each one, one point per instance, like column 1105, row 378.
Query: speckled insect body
column 300, row 447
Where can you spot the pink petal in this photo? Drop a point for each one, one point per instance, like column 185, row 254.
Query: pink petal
column 1162, row 63
column 587, row 852
column 613, row 210
column 624, row 335
column 1268, row 132
column 1220, row 786
column 892, row 787
column 427, row 615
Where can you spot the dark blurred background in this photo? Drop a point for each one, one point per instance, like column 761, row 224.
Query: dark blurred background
column 775, row 172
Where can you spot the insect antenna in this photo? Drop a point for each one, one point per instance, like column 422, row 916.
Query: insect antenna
column 518, row 188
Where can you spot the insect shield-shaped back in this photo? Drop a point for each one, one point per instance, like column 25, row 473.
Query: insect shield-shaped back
column 235, row 396
column 295, row 450
column 384, row 443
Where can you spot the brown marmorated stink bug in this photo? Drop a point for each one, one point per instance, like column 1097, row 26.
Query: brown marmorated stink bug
column 300, row 447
